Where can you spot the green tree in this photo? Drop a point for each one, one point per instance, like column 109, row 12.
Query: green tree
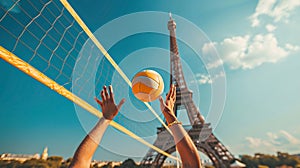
column 128, row 163
column 287, row 159
column 54, row 161
column 250, row 161
column 9, row 163
column 66, row 163
column 269, row 160
column 108, row 165
column 34, row 163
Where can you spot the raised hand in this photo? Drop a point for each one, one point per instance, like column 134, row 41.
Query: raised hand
column 108, row 105
column 167, row 107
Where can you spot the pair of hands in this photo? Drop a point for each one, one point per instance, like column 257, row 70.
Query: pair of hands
column 110, row 109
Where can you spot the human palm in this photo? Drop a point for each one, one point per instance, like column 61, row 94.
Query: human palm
column 108, row 105
column 167, row 106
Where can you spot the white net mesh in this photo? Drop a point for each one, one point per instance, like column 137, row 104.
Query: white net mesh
column 45, row 35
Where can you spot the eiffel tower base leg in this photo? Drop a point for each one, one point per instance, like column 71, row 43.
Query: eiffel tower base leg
column 204, row 140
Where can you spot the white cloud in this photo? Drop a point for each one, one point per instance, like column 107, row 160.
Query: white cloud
column 270, row 27
column 289, row 137
column 233, row 49
column 214, row 64
column 257, row 142
column 248, row 52
column 202, row 79
column 284, row 8
column 282, row 138
column 263, row 7
column 280, row 141
column 206, row 49
column 276, row 9
column 292, row 47
column 207, row 79
column 273, row 138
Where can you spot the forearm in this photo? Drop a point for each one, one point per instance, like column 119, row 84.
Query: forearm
column 84, row 153
column 184, row 144
column 186, row 148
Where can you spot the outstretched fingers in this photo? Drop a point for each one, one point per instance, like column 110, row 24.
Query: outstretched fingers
column 121, row 103
column 111, row 92
column 169, row 93
column 105, row 92
column 162, row 103
column 173, row 92
column 103, row 96
column 99, row 102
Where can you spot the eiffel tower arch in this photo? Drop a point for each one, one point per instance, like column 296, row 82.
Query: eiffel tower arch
column 199, row 131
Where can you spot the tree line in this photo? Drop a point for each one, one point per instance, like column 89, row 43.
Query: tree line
column 272, row 161
column 58, row 162
column 258, row 159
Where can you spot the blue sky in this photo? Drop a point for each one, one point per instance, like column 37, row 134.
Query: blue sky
column 256, row 40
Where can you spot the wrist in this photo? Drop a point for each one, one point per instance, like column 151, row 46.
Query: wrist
column 108, row 117
column 104, row 120
column 171, row 119
column 176, row 122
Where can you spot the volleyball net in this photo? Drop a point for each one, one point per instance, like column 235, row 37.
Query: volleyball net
column 44, row 39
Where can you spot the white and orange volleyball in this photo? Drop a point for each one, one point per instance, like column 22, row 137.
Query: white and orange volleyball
column 147, row 85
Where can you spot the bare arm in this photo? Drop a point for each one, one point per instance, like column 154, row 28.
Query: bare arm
column 84, row 153
column 185, row 146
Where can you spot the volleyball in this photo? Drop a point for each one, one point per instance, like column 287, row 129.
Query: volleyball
column 147, row 85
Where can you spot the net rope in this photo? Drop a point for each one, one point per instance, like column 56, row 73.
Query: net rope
column 33, row 39
column 107, row 55
column 45, row 35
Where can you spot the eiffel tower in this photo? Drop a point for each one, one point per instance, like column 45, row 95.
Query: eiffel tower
column 199, row 130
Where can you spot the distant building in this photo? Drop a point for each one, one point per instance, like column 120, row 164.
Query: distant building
column 297, row 155
column 103, row 163
column 18, row 157
column 237, row 164
column 44, row 155
column 24, row 157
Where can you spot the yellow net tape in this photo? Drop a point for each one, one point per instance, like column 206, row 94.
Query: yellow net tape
column 39, row 76
column 106, row 54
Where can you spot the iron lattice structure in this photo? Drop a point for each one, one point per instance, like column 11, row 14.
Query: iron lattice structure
column 199, row 131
